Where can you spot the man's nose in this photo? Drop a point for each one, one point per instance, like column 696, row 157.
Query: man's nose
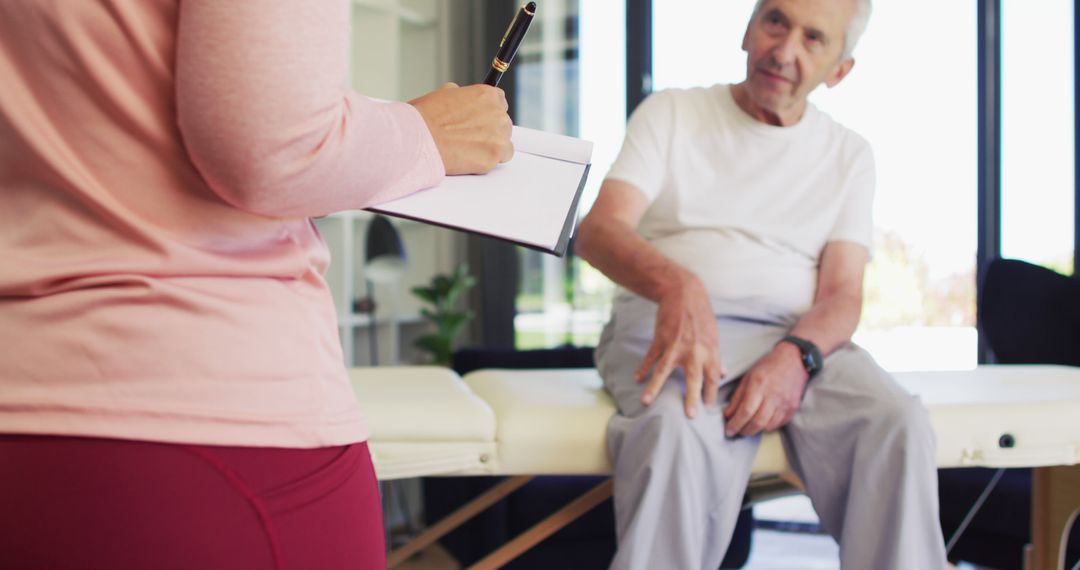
column 786, row 51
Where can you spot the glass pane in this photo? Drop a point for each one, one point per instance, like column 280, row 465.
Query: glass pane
column 918, row 111
column 1037, row 176
column 546, row 94
column 697, row 42
column 571, row 80
column 603, row 121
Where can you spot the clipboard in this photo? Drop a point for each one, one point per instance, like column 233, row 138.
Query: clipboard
column 532, row 200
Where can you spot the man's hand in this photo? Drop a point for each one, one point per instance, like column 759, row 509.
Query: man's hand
column 470, row 126
column 769, row 394
column 685, row 337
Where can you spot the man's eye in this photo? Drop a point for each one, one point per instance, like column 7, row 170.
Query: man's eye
column 773, row 19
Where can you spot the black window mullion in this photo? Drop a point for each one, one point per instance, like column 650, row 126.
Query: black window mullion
column 989, row 162
column 638, row 52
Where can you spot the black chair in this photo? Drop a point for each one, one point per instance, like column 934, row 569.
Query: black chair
column 1029, row 315
column 588, row 542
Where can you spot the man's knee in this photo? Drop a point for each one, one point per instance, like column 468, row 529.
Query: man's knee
column 663, row 431
column 663, row 424
column 904, row 422
column 880, row 399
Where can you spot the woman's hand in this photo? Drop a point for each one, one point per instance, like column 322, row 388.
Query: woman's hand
column 470, row 126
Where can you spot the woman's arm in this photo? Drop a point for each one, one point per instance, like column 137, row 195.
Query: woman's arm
column 267, row 120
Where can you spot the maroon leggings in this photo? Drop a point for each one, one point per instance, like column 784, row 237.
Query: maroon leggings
column 69, row 502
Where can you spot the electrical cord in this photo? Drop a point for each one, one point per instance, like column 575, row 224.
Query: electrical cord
column 975, row 509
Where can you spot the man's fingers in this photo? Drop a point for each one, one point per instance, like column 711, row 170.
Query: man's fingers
column 717, row 364
column 651, row 355
column 779, row 419
column 735, row 401
column 787, row 416
column 757, row 422
column 742, row 414
column 711, row 390
column 659, row 376
column 693, row 389
column 715, row 374
column 449, row 85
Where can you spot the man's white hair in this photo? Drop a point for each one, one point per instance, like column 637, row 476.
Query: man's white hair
column 855, row 27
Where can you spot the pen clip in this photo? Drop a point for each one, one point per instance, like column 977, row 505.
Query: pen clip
column 510, row 27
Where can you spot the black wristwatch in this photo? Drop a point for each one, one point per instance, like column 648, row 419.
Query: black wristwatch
column 812, row 360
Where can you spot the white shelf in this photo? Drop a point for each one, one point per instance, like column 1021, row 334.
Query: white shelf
column 417, row 19
column 403, row 13
column 363, row 319
column 351, row 215
column 364, row 216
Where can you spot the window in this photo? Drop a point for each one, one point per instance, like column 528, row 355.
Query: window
column 1037, row 139
column 571, row 80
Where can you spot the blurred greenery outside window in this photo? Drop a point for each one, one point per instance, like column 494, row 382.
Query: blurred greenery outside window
column 571, row 72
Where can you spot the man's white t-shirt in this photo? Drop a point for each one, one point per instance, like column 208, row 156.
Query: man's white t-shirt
column 746, row 206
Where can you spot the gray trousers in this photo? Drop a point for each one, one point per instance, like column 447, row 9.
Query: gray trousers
column 862, row 445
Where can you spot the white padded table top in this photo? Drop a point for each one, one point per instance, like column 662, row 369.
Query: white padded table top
column 554, row 421
column 426, row 421
column 550, row 421
column 1036, row 406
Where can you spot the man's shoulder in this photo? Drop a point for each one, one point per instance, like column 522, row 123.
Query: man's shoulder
column 680, row 107
column 684, row 97
column 850, row 139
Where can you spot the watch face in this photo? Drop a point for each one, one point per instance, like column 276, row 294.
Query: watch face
column 811, row 355
column 812, row 361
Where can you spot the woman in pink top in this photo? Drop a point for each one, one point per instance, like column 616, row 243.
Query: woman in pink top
column 172, row 391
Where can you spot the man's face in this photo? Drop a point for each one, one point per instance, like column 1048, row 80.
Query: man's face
column 793, row 46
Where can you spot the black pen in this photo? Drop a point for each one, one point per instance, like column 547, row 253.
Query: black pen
column 515, row 32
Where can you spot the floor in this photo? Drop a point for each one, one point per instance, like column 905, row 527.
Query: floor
column 783, row 550
column 772, row 549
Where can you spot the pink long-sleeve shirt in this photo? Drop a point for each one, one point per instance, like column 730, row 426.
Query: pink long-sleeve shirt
column 160, row 278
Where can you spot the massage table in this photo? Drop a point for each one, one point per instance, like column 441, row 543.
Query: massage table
column 428, row 421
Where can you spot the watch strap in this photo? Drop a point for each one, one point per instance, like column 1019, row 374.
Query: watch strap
column 812, row 358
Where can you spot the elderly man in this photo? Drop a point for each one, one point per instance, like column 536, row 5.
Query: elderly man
column 737, row 223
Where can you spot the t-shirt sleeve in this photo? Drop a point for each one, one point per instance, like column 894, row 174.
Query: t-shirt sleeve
column 855, row 222
column 643, row 158
column 267, row 120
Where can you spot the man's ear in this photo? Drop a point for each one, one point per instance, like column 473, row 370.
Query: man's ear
column 840, row 72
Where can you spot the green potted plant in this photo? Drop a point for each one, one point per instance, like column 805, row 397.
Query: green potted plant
column 442, row 294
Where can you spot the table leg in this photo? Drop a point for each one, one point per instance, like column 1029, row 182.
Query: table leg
column 1055, row 502
column 456, row 519
column 545, row 528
